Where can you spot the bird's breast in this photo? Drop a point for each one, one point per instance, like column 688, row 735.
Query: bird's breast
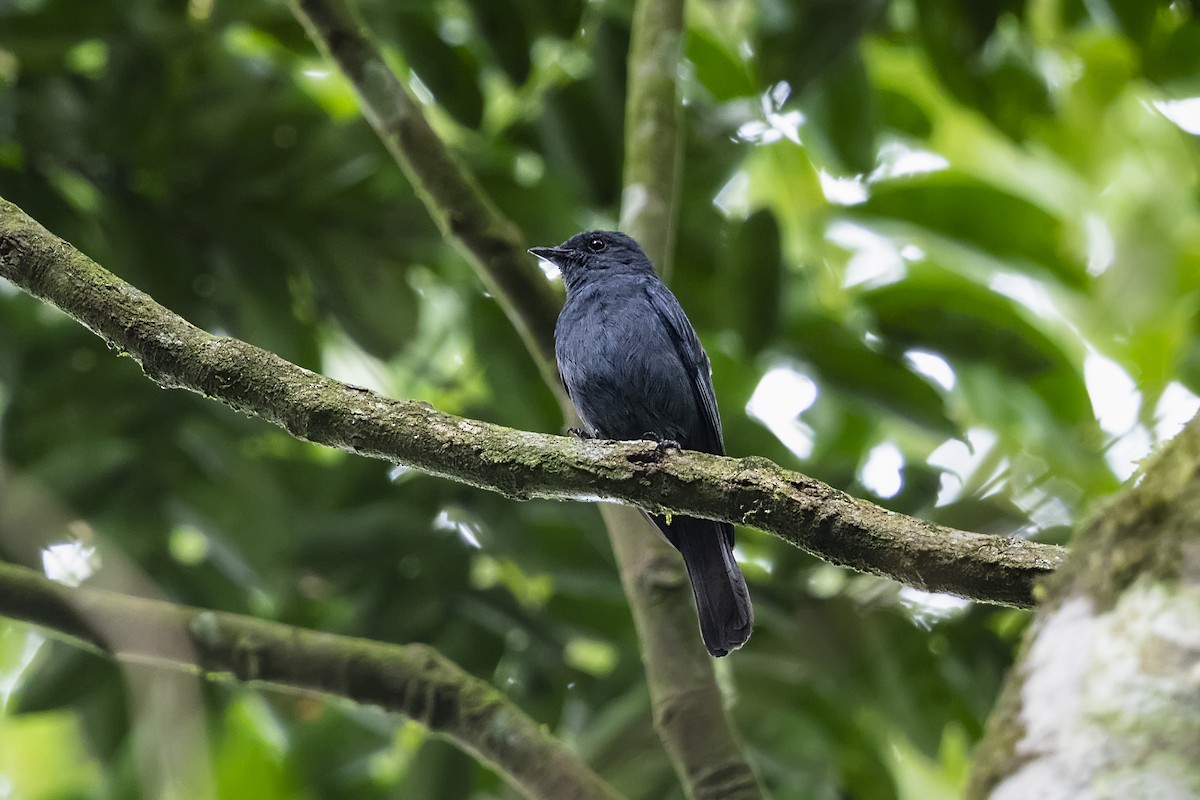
column 621, row 369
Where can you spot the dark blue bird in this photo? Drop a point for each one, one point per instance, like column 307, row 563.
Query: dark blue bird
column 634, row 369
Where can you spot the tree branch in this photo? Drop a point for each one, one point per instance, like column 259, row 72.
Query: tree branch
column 414, row 680
column 520, row 465
column 464, row 214
column 689, row 710
column 653, row 137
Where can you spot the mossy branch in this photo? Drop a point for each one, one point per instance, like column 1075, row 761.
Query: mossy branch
column 1110, row 658
column 413, row 679
column 518, row 464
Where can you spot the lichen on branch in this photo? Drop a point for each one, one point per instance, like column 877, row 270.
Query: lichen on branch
column 518, row 464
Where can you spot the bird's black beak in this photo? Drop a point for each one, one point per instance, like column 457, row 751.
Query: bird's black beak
column 555, row 255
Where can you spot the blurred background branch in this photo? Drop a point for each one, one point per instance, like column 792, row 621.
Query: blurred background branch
column 413, row 679
column 688, row 706
column 464, row 214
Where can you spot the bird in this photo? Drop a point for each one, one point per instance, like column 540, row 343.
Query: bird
column 634, row 369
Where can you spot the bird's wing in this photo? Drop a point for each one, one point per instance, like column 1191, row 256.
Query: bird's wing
column 695, row 362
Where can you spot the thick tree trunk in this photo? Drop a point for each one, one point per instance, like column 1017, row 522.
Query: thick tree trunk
column 1104, row 701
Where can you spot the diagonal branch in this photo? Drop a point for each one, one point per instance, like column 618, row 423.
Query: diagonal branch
column 521, row 465
column 461, row 210
column 414, row 679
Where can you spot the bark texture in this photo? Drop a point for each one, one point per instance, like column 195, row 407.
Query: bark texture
column 518, row 464
column 1104, row 701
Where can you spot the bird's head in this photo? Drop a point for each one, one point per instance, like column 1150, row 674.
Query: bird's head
column 594, row 254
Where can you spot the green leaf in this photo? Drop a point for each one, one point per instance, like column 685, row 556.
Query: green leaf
column 504, row 23
column 842, row 105
column 718, row 70
column 756, row 277
column 59, row 677
column 801, row 40
column 882, row 381
column 451, row 72
column 939, row 311
column 902, row 113
column 1175, row 62
column 44, row 757
column 1136, row 17
column 959, row 207
column 982, row 67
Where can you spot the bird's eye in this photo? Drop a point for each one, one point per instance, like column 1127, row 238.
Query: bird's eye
column 596, row 244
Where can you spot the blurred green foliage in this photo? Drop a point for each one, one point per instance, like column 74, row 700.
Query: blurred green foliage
column 961, row 239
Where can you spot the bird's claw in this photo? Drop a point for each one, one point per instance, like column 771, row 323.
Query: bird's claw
column 579, row 433
column 663, row 444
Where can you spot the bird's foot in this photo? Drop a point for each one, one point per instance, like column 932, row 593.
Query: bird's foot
column 579, row 433
column 663, row 444
column 655, row 455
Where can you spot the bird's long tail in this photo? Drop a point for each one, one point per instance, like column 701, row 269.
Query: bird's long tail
column 722, row 600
